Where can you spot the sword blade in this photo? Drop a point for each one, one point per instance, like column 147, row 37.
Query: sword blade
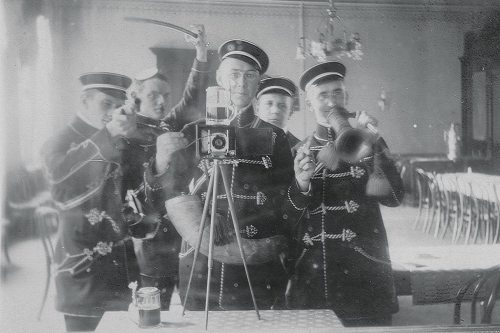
column 161, row 23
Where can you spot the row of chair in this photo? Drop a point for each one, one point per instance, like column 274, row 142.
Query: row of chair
column 458, row 207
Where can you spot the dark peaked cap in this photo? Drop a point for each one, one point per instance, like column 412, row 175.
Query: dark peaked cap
column 321, row 71
column 277, row 85
column 109, row 83
column 245, row 51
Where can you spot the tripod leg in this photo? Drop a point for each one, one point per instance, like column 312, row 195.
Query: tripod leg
column 200, row 236
column 237, row 233
column 215, row 176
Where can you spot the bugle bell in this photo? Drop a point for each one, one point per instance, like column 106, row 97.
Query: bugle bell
column 351, row 144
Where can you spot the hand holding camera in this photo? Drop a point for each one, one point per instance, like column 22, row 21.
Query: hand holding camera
column 166, row 145
column 123, row 121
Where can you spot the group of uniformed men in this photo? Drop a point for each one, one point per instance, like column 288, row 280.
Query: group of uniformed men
column 123, row 154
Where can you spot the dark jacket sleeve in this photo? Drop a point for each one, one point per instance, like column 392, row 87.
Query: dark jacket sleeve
column 161, row 187
column 296, row 201
column 385, row 182
column 192, row 105
column 283, row 175
column 78, row 169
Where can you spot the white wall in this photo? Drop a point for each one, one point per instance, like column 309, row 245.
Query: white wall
column 411, row 51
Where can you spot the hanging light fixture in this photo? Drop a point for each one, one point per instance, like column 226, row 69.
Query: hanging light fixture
column 328, row 43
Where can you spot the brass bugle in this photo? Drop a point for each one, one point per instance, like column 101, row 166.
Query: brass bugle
column 351, row 144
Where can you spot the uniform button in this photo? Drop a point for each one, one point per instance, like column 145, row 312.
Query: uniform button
column 165, row 229
column 235, row 285
column 200, row 276
column 88, row 270
column 285, row 216
column 375, row 230
column 282, row 192
column 309, row 229
column 146, row 149
column 145, row 164
column 346, row 271
column 315, row 266
column 268, row 287
column 246, row 186
column 255, row 188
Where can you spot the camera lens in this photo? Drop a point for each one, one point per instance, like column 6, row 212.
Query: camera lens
column 219, row 142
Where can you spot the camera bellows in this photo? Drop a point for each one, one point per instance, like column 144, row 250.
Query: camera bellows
column 185, row 212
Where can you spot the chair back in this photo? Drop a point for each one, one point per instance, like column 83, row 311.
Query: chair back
column 47, row 221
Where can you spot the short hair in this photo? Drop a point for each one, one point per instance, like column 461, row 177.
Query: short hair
column 137, row 85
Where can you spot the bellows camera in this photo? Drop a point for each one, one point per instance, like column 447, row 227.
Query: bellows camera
column 218, row 139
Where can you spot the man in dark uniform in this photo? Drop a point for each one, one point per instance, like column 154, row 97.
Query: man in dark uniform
column 83, row 167
column 343, row 259
column 158, row 252
column 275, row 104
column 258, row 186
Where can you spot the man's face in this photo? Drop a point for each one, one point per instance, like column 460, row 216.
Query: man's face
column 99, row 106
column 240, row 79
column 275, row 109
column 323, row 97
column 155, row 98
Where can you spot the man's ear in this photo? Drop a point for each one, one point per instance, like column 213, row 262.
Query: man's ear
column 84, row 98
column 309, row 105
column 218, row 77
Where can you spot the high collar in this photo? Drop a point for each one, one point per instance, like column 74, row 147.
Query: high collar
column 82, row 127
column 245, row 117
column 324, row 133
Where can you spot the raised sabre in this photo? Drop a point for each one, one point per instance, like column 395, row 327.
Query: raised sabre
column 162, row 23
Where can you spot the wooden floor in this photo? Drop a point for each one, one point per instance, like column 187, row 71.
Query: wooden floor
column 22, row 286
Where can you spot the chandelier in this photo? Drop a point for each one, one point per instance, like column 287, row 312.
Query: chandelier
column 328, row 44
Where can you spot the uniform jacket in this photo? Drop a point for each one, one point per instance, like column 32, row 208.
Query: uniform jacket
column 258, row 187
column 92, row 274
column 158, row 253
column 342, row 251
column 292, row 139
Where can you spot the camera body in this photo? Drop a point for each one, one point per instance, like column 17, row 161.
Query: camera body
column 218, row 139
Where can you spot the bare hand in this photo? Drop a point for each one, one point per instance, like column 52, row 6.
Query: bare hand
column 123, row 121
column 200, row 43
column 167, row 144
column 304, row 165
column 365, row 120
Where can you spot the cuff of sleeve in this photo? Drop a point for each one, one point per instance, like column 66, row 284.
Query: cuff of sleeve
column 141, row 229
column 308, row 192
column 297, row 198
column 106, row 145
column 200, row 66
column 153, row 181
